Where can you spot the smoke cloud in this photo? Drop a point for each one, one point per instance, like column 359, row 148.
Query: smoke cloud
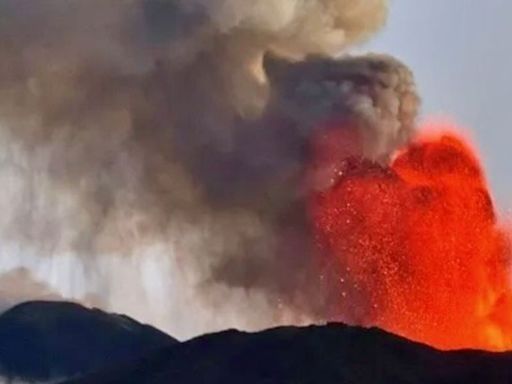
column 153, row 151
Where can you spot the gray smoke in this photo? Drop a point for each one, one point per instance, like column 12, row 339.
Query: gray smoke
column 179, row 130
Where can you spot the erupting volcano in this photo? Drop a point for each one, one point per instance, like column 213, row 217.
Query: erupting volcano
column 415, row 247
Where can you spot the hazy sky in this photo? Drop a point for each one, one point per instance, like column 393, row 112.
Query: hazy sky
column 461, row 53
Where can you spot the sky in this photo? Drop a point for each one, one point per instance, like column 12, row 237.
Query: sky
column 461, row 54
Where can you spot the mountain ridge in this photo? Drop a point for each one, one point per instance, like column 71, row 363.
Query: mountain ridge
column 331, row 353
column 44, row 340
column 67, row 343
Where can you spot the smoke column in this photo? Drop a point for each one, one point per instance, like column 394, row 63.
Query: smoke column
column 153, row 152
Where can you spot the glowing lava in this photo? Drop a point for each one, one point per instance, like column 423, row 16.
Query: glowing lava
column 415, row 247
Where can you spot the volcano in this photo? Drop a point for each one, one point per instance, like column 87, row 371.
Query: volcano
column 96, row 347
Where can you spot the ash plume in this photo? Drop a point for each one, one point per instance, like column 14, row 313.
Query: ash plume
column 170, row 137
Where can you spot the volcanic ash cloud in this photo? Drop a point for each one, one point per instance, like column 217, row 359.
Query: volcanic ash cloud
column 140, row 134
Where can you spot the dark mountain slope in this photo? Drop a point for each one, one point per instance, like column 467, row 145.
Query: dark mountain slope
column 319, row 354
column 45, row 340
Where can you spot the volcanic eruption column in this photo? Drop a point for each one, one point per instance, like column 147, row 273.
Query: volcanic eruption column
column 154, row 161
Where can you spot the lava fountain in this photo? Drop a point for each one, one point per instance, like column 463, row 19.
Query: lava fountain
column 415, row 247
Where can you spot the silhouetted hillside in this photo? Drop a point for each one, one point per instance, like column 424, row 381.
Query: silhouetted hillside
column 44, row 341
column 318, row 354
column 47, row 340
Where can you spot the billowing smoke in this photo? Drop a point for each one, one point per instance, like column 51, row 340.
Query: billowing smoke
column 153, row 151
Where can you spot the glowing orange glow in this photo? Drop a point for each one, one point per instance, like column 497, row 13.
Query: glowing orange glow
column 415, row 247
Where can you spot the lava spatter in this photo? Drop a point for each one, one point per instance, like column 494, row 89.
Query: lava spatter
column 414, row 247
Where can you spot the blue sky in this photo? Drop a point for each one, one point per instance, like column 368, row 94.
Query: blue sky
column 461, row 53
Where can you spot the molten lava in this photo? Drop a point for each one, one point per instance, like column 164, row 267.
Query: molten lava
column 415, row 247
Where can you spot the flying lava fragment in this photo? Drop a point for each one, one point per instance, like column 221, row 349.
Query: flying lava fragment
column 415, row 247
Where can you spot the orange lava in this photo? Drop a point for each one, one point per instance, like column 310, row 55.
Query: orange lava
column 415, row 247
